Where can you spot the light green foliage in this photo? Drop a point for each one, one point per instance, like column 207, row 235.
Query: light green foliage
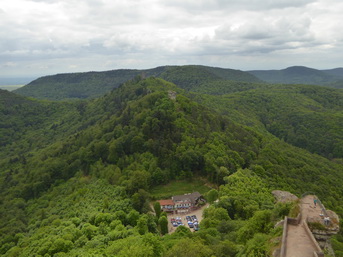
column 182, row 231
column 259, row 223
column 212, row 195
column 89, row 230
column 179, row 187
column 213, row 216
column 132, row 217
column 255, row 247
column 226, row 248
column 142, row 225
column 189, row 247
column 148, row 246
column 244, row 194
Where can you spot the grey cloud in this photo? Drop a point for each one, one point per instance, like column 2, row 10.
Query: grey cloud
column 267, row 35
column 206, row 5
column 152, row 32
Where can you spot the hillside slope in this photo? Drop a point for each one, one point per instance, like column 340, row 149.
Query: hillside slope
column 27, row 124
column 305, row 116
column 336, row 72
column 95, row 84
column 87, row 191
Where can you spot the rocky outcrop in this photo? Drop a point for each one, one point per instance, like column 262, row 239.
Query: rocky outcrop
column 284, row 196
column 172, row 95
column 324, row 235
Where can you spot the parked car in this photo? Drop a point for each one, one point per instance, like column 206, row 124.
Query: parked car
column 196, row 227
column 190, row 224
column 175, row 224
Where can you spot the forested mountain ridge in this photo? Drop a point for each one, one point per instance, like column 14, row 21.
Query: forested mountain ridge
column 135, row 120
column 305, row 116
column 95, row 84
column 138, row 137
column 26, row 123
column 86, row 191
column 336, row 72
column 302, row 75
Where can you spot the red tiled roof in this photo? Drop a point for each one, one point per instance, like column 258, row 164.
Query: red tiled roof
column 166, row 202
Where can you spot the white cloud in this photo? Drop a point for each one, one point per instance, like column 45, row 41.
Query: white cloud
column 103, row 34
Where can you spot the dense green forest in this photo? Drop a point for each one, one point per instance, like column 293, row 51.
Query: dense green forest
column 76, row 177
column 95, row 84
column 308, row 117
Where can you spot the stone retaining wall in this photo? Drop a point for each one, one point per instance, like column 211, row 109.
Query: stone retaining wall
column 284, row 238
column 318, row 251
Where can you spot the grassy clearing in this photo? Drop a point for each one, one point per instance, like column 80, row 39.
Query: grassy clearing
column 179, row 187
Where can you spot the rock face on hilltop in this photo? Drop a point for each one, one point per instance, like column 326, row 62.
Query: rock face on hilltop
column 284, row 196
column 324, row 235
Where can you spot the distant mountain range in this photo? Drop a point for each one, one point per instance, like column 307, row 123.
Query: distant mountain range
column 190, row 77
column 95, row 84
column 302, row 75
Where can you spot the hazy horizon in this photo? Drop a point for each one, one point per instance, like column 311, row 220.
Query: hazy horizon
column 7, row 81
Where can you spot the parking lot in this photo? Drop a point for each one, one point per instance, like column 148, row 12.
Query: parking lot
column 182, row 218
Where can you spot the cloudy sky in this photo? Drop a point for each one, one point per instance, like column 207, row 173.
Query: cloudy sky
column 40, row 37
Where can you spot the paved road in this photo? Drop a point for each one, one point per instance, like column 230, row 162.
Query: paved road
column 298, row 242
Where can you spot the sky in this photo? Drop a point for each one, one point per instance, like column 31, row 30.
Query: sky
column 43, row 37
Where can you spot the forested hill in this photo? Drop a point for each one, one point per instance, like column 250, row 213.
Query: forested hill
column 302, row 75
column 310, row 117
column 82, row 185
column 95, row 84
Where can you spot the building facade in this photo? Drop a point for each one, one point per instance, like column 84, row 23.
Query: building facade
column 182, row 203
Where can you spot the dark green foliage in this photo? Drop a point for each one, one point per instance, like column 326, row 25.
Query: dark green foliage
column 76, row 85
column 191, row 77
column 337, row 245
column 163, row 223
column 94, row 84
column 309, row 117
column 157, row 209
